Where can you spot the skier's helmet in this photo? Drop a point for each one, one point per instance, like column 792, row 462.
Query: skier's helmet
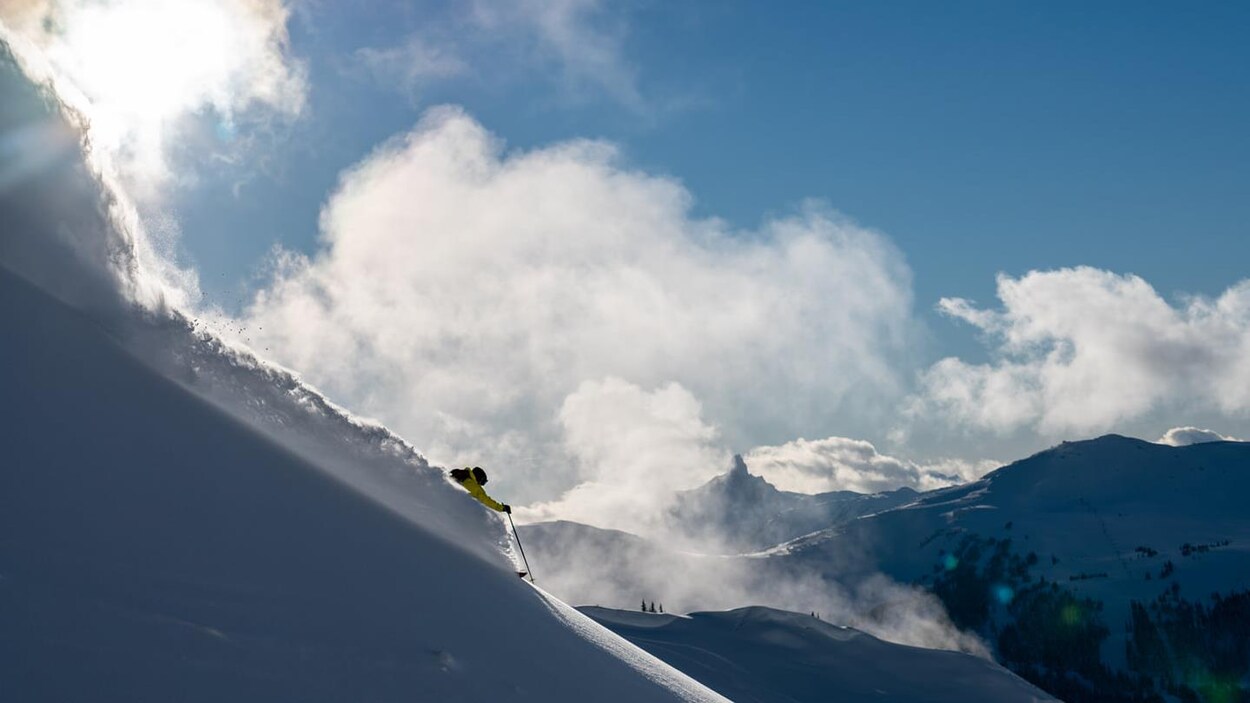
column 479, row 475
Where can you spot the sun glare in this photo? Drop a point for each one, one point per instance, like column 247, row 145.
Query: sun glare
column 145, row 62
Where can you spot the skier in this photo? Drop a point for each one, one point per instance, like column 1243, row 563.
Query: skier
column 472, row 480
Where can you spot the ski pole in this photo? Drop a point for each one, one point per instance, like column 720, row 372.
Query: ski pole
column 518, row 546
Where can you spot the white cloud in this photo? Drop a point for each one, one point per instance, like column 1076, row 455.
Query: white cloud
column 409, row 66
column 583, row 38
column 843, row 464
column 135, row 68
column 576, row 47
column 1081, row 350
column 1184, row 436
column 465, row 295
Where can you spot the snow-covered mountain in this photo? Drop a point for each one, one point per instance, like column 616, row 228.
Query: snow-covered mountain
column 762, row 655
column 737, row 512
column 1077, row 534
column 1043, row 558
column 1086, row 507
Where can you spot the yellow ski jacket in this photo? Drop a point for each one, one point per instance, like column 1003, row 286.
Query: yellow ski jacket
column 475, row 489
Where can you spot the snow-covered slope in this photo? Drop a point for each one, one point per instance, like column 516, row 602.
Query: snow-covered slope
column 179, row 521
column 154, row 548
column 737, row 512
column 763, row 655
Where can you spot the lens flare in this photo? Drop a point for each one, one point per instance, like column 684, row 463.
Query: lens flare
column 1004, row 593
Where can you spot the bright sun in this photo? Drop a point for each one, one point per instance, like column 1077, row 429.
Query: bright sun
column 147, row 61
column 143, row 64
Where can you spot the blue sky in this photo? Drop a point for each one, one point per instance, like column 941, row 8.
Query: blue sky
column 591, row 241
column 980, row 137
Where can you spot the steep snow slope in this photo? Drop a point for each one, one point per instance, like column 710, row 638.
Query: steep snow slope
column 153, row 548
column 179, row 521
column 763, row 655
column 737, row 512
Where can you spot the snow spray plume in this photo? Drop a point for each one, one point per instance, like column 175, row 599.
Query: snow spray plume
column 68, row 230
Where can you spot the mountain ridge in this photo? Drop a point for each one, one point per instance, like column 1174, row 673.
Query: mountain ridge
column 739, row 512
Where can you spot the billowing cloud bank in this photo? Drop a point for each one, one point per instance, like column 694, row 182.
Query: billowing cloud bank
column 470, row 297
column 1083, row 350
column 845, row 464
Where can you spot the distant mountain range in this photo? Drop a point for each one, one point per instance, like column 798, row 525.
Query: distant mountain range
column 1079, row 566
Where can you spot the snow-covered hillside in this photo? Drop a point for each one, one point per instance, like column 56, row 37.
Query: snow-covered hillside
column 180, row 521
column 1103, row 516
column 1101, row 523
column 762, row 655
